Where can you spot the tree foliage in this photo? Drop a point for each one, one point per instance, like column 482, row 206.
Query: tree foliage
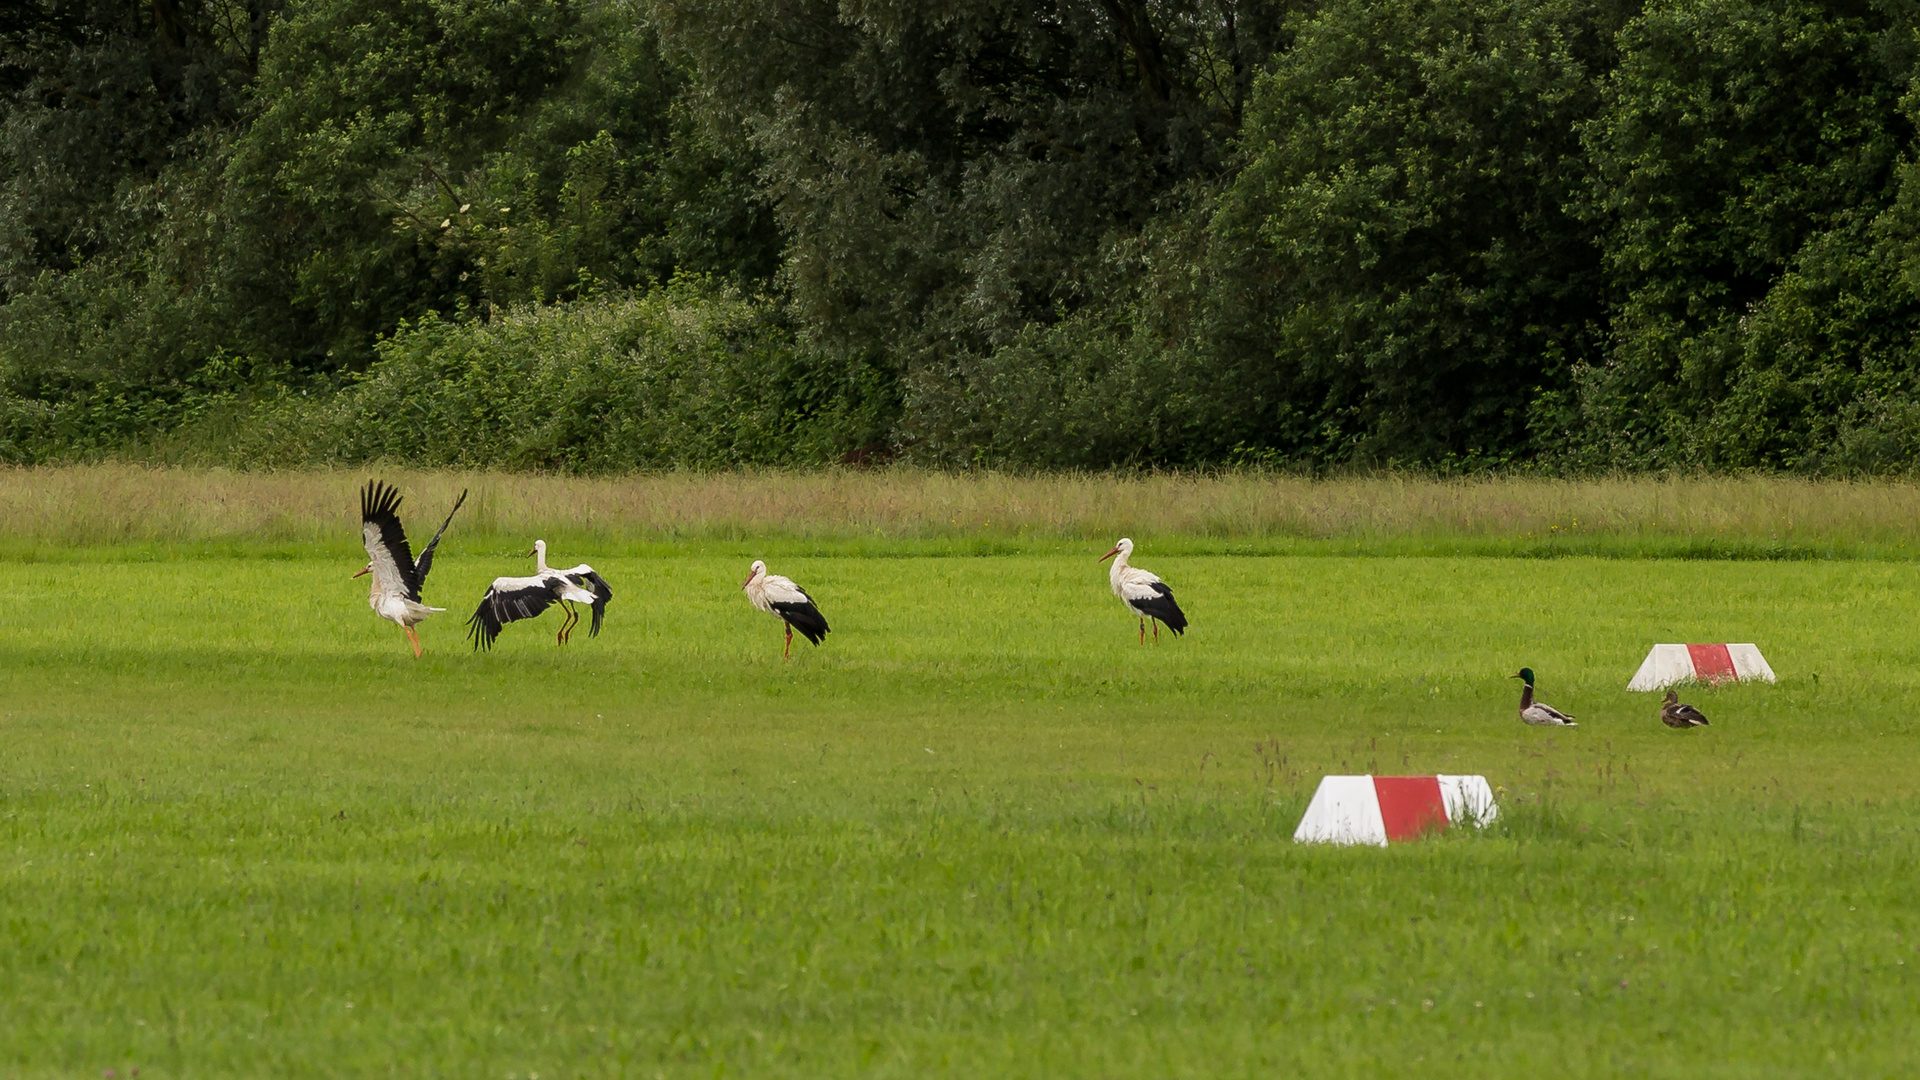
column 1748, row 156
column 1408, row 204
column 1561, row 234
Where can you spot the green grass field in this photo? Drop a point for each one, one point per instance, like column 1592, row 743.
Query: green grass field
column 980, row 832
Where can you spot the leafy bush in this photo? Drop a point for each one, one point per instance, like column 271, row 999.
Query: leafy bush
column 685, row 375
column 1072, row 395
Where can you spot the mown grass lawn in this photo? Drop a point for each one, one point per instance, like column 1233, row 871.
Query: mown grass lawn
column 980, row 832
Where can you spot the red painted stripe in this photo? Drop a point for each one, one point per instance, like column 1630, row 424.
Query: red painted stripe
column 1410, row 805
column 1712, row 663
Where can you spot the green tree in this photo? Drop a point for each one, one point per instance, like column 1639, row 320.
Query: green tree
column 1414, row 274
column 949, row 176
column 361, row 164
column 434, row 154
column 1747, row 155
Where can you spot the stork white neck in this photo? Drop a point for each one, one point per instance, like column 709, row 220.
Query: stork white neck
column 539, row 557
column 1119, row 568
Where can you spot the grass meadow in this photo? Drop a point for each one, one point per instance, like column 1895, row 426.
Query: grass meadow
column 981, row 831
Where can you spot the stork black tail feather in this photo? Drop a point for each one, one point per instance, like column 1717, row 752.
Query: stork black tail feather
column 1162, row 606
column 602, row 594
column 805, row 618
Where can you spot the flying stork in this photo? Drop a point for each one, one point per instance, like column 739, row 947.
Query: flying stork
column 776, row 595
column 1144, row 594
column 510, row 599
column 397, row 579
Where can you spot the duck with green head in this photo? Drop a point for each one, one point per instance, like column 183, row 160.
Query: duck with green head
column 1538, row 712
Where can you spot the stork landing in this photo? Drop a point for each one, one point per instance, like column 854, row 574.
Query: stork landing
column 394, row 593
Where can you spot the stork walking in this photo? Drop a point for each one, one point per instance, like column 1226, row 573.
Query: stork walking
column 1144, row 594
column 778, row 596
column 397, row 578
column 511, row 599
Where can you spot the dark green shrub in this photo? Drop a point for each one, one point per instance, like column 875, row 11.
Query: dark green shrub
column 686, row 375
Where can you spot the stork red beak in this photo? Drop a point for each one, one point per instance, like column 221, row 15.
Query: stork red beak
column 749, row 580
column 364, row 571
column 530, row 553
column 1109, row 555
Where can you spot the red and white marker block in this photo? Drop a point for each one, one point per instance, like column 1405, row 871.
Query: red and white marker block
column 1376, row 809
column 1670, row 664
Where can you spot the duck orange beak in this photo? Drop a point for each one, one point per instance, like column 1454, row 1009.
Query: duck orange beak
column 1515, row 675
column 364, row 571
column 1109, row 555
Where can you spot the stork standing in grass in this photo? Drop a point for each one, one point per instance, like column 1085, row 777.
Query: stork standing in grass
column 778, row 596
column 511, row 599
column 397, row 578
column 1144, row 594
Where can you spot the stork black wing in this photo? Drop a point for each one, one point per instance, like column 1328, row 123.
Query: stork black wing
column 805, row 618
column 502, row 606
column 380, row 507
column 426, row 557
column 1161, row 606
column 602, row 593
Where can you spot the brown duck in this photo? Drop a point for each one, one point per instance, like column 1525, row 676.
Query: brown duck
column 1677, row 714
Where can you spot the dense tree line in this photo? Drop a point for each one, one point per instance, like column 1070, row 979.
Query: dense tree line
column 604, row 234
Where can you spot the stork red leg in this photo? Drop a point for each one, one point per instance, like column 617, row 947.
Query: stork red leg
column 415, row 639
column 787, row 653
column 1156, row 631
column 1143, row 631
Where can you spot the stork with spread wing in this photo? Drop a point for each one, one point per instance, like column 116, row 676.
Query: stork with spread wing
column 397, row 578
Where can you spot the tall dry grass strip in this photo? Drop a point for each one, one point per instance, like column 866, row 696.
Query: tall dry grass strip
column 109, row 504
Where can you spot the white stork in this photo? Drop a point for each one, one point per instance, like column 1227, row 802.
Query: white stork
column 1144, row 594
column 397, row 579
column 581, row 586
column 776, row 595
column 510, row 599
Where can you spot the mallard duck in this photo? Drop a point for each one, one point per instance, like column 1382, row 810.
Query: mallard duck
column 1538, row 712
column 1678, row 714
